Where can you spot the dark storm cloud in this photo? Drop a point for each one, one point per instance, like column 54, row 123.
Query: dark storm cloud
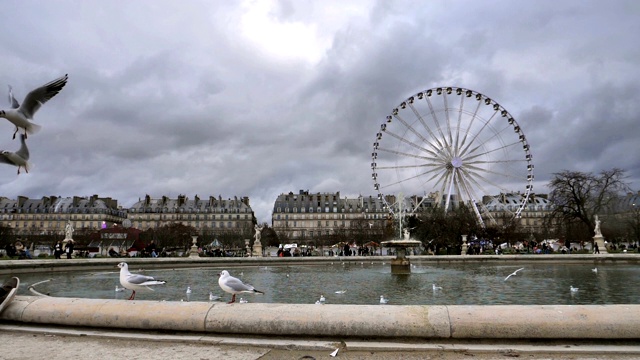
column 258, row 98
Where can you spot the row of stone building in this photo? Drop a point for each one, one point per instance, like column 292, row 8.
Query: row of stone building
column 306, row 215
column 301, row 215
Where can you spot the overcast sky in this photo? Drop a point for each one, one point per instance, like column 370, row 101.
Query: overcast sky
column 259, row 98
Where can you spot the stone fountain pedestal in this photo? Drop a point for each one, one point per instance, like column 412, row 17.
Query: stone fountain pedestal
column 193, row 252
column 257, row 248
column 602, row 247
column 465, row 246
column 401, row 264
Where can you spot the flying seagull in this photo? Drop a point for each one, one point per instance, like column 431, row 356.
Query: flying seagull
column 512, row 274
column 19, row 158
column 21, row 115
column 134, row 281
column 234, row 285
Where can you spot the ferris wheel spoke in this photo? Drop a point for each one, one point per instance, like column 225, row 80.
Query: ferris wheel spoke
column 479, row 175
column 496, row 136
column 439, row 175
column 474, row 116
column 474, row 152
column 411, row 128
column 434, row 116
column 412, row 144
column 459, row 126
column 448, row 118
column 427, row 128
column 404, row 154
column 471, row 197
column 475, row 136
column 404, row 180
column 398, row 167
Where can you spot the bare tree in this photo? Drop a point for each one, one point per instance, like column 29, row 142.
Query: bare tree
column 633, row 226
column 578, row 196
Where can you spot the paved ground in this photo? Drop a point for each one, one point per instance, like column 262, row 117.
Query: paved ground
column 21, row 342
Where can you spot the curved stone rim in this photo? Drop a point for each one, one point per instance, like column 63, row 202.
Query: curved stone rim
column 610, row 322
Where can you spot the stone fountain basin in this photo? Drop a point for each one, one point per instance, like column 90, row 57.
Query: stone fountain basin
column 401, row 243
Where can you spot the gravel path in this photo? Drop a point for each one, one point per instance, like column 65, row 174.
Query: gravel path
column 27, row 346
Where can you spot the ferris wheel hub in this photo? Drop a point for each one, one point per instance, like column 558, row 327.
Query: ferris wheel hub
column 456, row 162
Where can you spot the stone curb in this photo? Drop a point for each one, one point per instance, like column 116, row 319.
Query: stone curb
column 600, row 322
column 80, row 264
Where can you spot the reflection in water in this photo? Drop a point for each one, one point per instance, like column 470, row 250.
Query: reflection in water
column 462, row 284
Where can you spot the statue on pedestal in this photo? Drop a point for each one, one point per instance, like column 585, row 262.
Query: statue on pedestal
column 258, row 234
column 598, row 239
column 68, row 230
column 257, row 246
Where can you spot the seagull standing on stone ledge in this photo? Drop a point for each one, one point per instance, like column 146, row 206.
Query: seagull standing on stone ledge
column 134, row 281
column 234, row 286
column 21, row 115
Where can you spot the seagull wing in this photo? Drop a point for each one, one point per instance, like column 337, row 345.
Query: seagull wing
column 518, row 270
column 14, row 103
column 4, row 159
column 136, row 279
column 236, row 285
column 41, row 95
column 507, row 278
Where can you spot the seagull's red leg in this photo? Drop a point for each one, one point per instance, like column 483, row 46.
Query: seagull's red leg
column 133, row 295
column 233, row 299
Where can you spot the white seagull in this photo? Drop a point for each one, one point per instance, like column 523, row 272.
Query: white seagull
column 383, row 300
column 243, row 301
column 322, row 298
column 234, row 286
column 341, row 291
column 435, row 288
column 512, row 274
column 21, row 115
column 19, row 158
column 134, row 281
column 595, row 270
column 213, row 297
column 188, row 290
column 573, row 290
column 119, row 289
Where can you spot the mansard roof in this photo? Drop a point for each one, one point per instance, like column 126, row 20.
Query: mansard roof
column 184, row 204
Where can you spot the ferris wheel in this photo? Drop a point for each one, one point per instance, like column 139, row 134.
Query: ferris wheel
column 457, row 145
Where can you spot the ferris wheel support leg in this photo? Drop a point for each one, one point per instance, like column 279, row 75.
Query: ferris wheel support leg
column 446, row 204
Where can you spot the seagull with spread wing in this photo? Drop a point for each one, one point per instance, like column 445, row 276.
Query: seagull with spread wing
column 21, row 115
column 136, row 282
column 512, row 274
column 19, row 158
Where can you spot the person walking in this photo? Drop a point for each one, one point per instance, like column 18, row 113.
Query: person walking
column 69, row 248
column 596, row 250
column 57, row 249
